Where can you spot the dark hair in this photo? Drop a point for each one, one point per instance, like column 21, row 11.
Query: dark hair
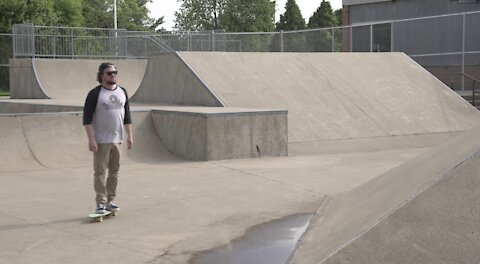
column 102, row 68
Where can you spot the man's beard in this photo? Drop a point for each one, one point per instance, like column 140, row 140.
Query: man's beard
column 112, row 81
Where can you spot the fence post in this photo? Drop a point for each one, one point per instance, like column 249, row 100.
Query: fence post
column 333, row 39
column 32, row 28
column 14, row 44
column 371, row 37
column 72, row 44
column 54, row 47
column 392, row 36
column 281, row 41
column 463, row 53
column 125, row 32
column 213, row 40
column 350, row 39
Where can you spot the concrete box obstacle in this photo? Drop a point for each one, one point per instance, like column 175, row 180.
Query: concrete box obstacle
column 222, row 133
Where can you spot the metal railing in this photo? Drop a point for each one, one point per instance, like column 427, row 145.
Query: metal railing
column 6, row 48
column 70, row 42
column 420, row 37
column 474, row 84
column 442, row 44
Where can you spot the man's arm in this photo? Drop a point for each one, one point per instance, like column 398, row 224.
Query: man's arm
column 88, row 110
column 92, row 143
column 128, row 128
column 127, row 121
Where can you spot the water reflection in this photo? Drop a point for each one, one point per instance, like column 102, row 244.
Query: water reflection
column 270, row 243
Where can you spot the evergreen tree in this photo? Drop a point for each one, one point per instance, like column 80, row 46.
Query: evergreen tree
column 292, row 19
column 338, row 15
column 323, row 17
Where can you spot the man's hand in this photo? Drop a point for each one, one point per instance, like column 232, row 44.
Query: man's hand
column 130, row 143
column 128, row 127
column 92, row 146
column 92, row 143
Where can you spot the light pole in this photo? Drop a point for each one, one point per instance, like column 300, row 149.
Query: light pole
column 115, row 14
column 115, row 26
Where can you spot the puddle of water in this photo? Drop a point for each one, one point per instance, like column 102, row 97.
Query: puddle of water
column 270, row 243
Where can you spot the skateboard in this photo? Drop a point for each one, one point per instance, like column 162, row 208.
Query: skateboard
column 99, row 217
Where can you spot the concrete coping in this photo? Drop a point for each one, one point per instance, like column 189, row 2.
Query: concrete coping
column 41, row 114
column 58, row 113
column 217, row 111
column 142, row 107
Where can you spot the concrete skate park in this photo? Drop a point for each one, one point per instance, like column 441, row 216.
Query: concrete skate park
column 382, row 154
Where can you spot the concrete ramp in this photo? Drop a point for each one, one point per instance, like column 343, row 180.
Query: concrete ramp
column 329, row 96
column 336, row 95
column 424, row 211
column 36, row 141
column 64, row 78
column 15, row 154
column 169, row 80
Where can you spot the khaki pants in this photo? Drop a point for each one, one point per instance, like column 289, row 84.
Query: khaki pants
column 107, row 156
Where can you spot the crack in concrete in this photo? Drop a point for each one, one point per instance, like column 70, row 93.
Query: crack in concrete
column 266, row 178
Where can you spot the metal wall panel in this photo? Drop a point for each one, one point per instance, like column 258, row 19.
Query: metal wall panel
column 401, row 9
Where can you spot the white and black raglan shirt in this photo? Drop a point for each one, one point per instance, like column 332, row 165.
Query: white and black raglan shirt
column 107, row 111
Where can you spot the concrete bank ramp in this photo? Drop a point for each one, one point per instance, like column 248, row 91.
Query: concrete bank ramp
column 424, row 211
column 169, row 80
column 328, row 95
column 35, row 141
column 67, row 78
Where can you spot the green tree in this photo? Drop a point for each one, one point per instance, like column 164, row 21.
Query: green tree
column 39, row 12
column 11, row 12
column 323, row 17
column 292, row 19
column 131, row 14
column 69, row 12
column 156, row 26
column 338, row 15
column 249, row 16
column 321, row 40
column 98, row 13
column 199, row 15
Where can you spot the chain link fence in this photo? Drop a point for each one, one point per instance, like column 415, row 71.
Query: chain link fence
column 67, row 42
column 6, row 48
column 447, row 45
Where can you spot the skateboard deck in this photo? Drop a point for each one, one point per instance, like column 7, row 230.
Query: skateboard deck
column 99, row 217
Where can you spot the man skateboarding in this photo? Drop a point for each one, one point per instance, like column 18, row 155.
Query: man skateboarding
column 106, row 116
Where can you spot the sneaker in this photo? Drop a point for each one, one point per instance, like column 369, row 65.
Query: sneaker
column 101, row 209
column 112, row 206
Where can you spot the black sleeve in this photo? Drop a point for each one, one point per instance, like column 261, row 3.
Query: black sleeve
column 128, row 118
column 90, row 105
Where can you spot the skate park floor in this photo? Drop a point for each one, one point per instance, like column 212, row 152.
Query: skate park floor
column 377, row 114
column 169, row 211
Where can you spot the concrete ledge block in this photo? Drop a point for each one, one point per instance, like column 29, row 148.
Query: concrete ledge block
column 217, row 133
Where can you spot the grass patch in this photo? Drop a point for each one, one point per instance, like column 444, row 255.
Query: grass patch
column 4, row 93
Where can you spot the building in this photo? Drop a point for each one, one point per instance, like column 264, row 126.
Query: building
column 441, row 35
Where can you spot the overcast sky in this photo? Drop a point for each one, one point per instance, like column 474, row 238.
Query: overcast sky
column 167, row 8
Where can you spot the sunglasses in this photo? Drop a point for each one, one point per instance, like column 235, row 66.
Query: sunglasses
column 112, row 73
